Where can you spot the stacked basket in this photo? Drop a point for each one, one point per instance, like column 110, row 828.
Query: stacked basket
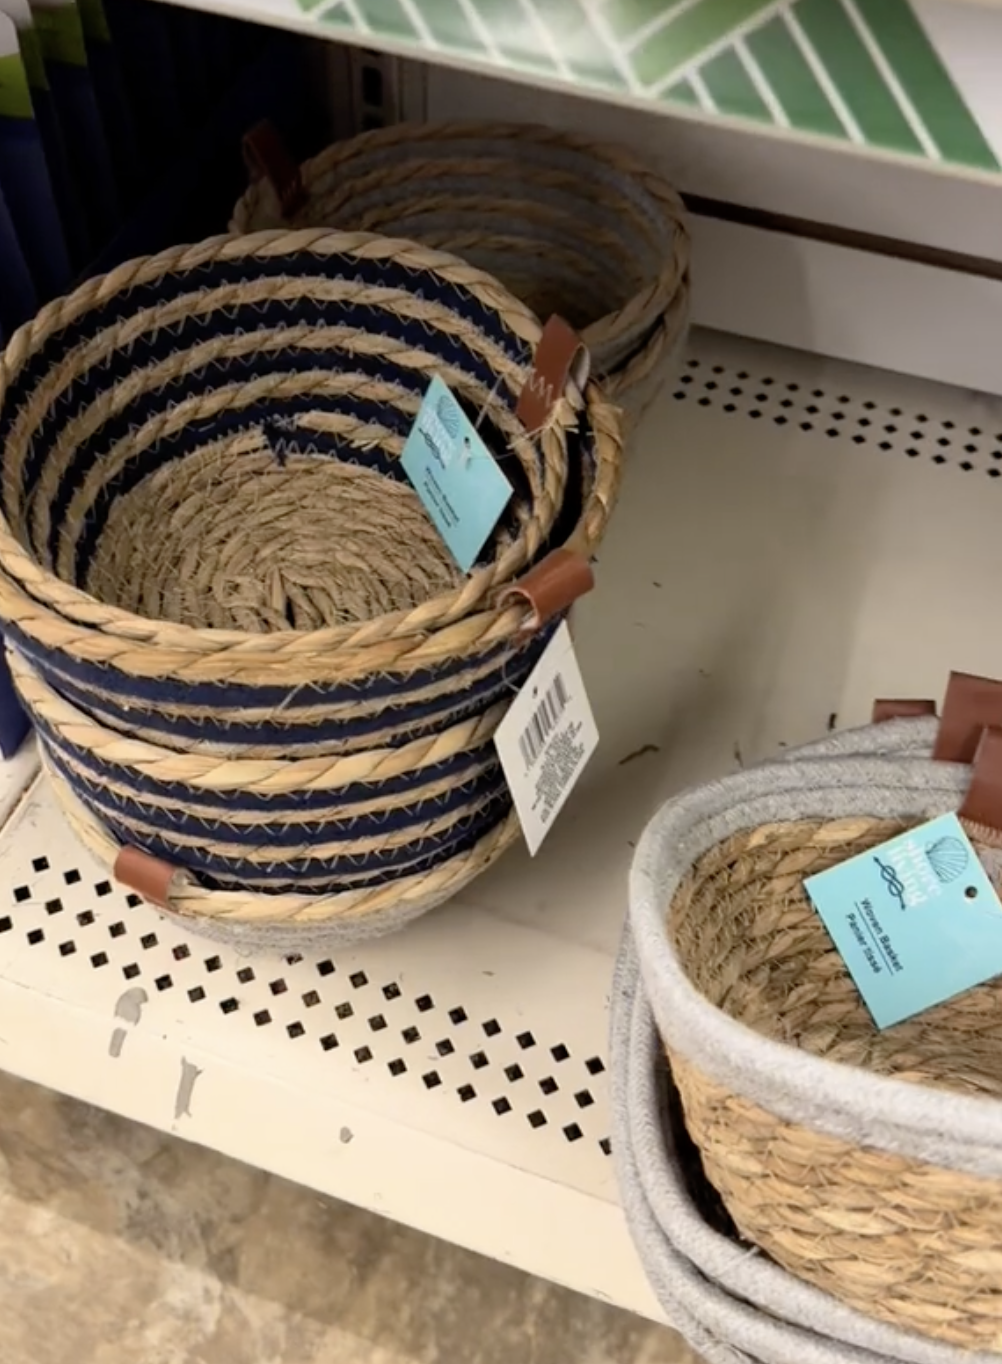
column 244, row 647
column 814, row 1188
column 571, row 226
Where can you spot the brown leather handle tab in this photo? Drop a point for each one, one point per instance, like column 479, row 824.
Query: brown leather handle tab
column 560, row 355
column 983, row 803
column 267, row 158
column 147, row 875
column 884, row 708
column 550, row 587
column 972, row 704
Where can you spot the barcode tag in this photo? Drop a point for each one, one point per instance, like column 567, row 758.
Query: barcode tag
column 546, row 738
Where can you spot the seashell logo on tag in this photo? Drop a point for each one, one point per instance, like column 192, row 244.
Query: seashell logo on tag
column 441, row 426
column 948, row 858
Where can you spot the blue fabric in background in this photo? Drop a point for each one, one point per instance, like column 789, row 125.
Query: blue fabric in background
column 142, row 34
column 189, row 173
column 116, row 118
column 28, row 190
column 63, row 185
column 18, row 299
column 87, row 149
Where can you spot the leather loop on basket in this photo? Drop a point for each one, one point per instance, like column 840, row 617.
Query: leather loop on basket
column 552, row 586
column 148, row 876
column 561, row 355
column 982, row 805
column 268, row 158
column 972, row 704
column 885, row 708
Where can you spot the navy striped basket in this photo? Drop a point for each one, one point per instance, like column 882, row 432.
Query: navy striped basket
column 244, row 646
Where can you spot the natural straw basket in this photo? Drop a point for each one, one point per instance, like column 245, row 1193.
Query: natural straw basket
column 571, row 226
column 301, row 358
column 710, row 1283
column 244, row 646
column 867, row 1163
column 319, row 824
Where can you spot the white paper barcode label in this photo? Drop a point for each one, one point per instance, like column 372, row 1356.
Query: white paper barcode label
column 546, row 738
column 544, row 720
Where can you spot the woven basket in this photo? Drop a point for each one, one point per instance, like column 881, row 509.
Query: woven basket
column 570, row 226
column 711, row 1284
column 140, row 564
column 867, row 1163
column 317, row 824
column 242, row 642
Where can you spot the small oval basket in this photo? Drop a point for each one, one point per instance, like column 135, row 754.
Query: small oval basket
column 865, row 1162
column 570, row 226
column 245, row 648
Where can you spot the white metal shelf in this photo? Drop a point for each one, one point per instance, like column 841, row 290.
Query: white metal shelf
column 795, row 536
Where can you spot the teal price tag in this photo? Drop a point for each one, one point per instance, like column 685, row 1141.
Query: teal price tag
column 457, row 478
column 916, row 919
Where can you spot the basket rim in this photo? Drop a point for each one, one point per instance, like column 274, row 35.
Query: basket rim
column 60, row 615
column 957, row 1131
column 656, row 296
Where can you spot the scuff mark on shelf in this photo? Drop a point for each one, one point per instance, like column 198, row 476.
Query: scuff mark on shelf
column 129, row 1008
column 182, row 1099
column 640, row 752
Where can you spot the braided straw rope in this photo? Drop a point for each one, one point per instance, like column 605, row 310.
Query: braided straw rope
column 571, row 226
column 910, row 1243
column 263, row 776
column 397, row 900
column 118, row 793
column 269, row 855
column 59, row 615
column 312, row 712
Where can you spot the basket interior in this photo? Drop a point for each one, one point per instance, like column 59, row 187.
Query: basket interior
column 751, row 942
column 564, row 230
column 219, row 446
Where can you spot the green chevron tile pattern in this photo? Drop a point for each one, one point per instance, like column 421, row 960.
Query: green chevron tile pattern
column 726, row 80
column 788, row 74
column 857, row 71
column 926, row 82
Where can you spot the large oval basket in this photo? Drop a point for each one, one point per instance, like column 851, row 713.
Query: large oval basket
column 867, row 1163
column 244, row 646
column 571, row 226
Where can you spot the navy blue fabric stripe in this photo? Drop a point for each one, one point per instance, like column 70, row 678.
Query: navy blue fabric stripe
column 269, row 806
column 376, row 869
column 160, row 344
column 269, row 413
column 412, row 719
column 149, row 691
column 109, row 805
column 218, row 273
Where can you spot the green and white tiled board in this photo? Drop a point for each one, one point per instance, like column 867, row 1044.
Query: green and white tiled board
column 880, row 74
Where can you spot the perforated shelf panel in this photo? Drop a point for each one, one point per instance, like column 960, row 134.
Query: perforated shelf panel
column 794, row 538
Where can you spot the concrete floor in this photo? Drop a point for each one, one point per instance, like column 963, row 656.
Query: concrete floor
column 119, row 1245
